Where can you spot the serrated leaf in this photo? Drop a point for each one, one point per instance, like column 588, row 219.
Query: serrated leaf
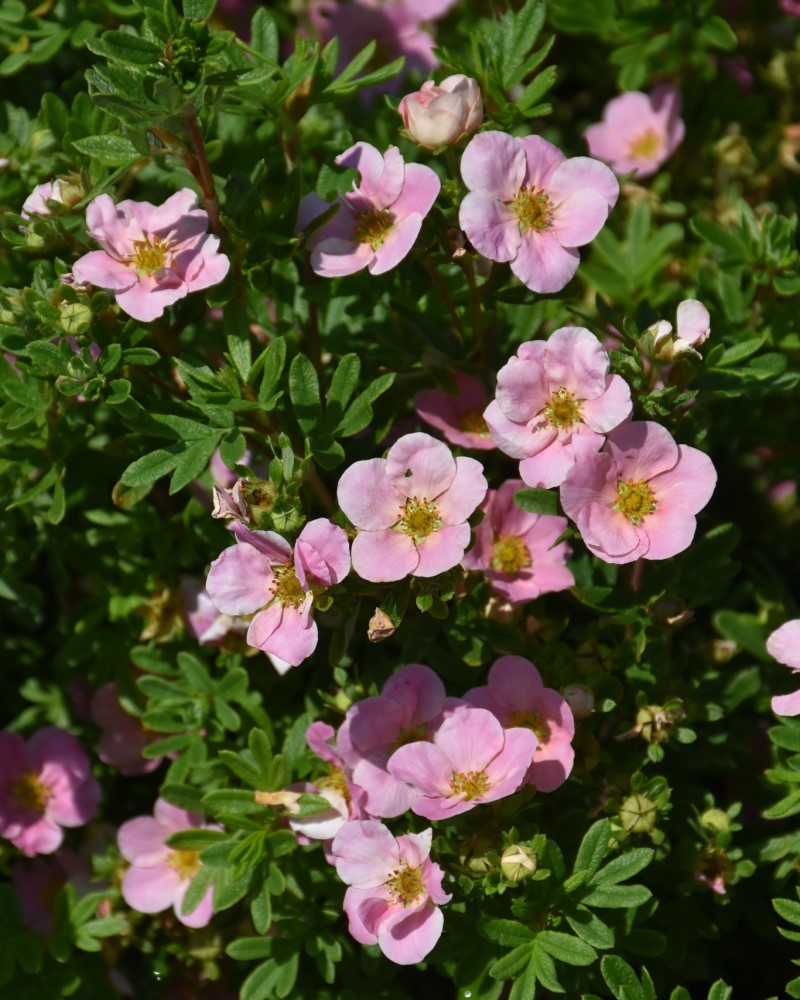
column 193, row 461
column 566, row 948
column 593, row 848
column 304, row 393
column 624, row 867
column 512, row 964
column 264, row 35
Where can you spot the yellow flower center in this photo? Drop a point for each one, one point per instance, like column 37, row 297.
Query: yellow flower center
column 185, row 863
column 646, row 145
column 510, row 554
column 533, row 209
column 406, row 884
column 634, row 500
column 529, row 719
column 373, row 227
column 472, row 422
column 30, row 792
column 150, row 256
column 286, row 587
column 562, row 410
column 470, row 784
column 334, row 781
column 419, row 519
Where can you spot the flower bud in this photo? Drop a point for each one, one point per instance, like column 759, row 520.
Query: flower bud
column 518, row 862
column 441, row 115
column 580, row 700
column 716, row 820
column 638, row 814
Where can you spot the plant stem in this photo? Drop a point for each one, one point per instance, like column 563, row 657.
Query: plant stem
column 199, row 166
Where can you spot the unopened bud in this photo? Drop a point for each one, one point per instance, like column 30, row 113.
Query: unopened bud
column 441, row 115
column 76, row 318
column 518, row 862
column 638, row 814
column 42, row 141
column 716, row 820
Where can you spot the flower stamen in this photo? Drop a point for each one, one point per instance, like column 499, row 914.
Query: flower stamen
column 470, row 784
column 634, row 500
column 510, row 554
column 562, row 410
column 534, row 210
column 286, row 587
column 419, row 519
column 406, row 884
column 373, row 227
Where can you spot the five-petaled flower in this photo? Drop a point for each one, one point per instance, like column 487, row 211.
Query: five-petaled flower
column 395, row 889
column 153, row 255
column 554, row 402
column 45, row 784
column 637, row 498
column 530, row 205
column 378, row 221
column 411, row 508
column 638, row 131
column 264, row 576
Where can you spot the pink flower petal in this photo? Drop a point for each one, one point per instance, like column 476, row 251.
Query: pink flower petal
column 421, row 187
column 542, row 159
column 333, row 257
column 150, row 890
column 141, row 841
column 688, row 485
column 490, row 225
column 784, row 644
column 99, row 268
column 442, row 550
column 424, row 766
column 580, row 217
column 641, row 450
column 610, row 534
column 412, row 934
column 608, row 410
column 365, row 853
column 239, row 580
column 669, row 532
column 523, row 389
column 381, row 175
column 294, row 638
column 397, row 244
column 470, row 739
column 323, row 552
column 693, row 322
column 383, row 556
column 464, row 494
column 494, row 163
column 518, row 440
column 581, row 173
column 419, row 466
column 786, row 704
column 367, row 496
column 542, row 264
column 506, row 772
column 201, row 915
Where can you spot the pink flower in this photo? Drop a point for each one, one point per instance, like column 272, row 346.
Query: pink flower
column 411, row 508
column 784, row 646
column 637, row 498
column 693, row 329
column 410, row 707
column 530, row 205
column 123, row 736
column 45, row 785
column 262, row 574
column 205, row 623
column 57, row 190
column 153, row 255
column 554, row 402
column 516, row 695
column 517, row 551
column 441, row 115
column 459, row 417
column 378, row 221
column 471, row 760
column 337, row 786
column 159, row 876
column 395, row 889
column 638, row 132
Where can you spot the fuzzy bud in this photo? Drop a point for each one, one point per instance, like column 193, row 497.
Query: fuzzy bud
column 440, row 115
column 580, row 700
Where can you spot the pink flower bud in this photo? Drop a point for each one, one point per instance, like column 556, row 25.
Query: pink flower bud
column 440, row 115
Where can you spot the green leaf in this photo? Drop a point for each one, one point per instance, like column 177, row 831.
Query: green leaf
column 261, row 982
column 126, row 48
column 359, row 414
column 249, row 949
column 713, row 233
column 512, row 964
column 624, row 867
column 594, row 847
column 192, row 461
column 718, row 32
column 198, row 887
column 195, row 840
column 149, row 468
column 198, row 10
column 788, row 909
column 537, row 501
column 183, row 797
column 509, row 933
column 590, row 928
column 566, row 948
column 518, row 33
column 238, row 337
column 546, row 970
column 617, row 896
column 621, row 979
column 304, row 393
column 264, row 35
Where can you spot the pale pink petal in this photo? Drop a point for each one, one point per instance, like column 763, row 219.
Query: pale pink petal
column 784, row 644
column 609, row 532
column 581, row 173
column 201, row 915
column 512, row 677
column 417, row 690
column 786, row 704
column 381, row 175
column 180, row 209
column 333, row 257
column 580, row 217
column 591, row 481
column 442, row 550
column 367, row 497
column 386, row 796
column 239, row 580
column 147, row 300
column 173, row 818
column 424, row 766
column 396, row 246
column 542, row 264
column 689, row 485
column 518, row 440
column 141, row 841
column 326, row 824
column 523, row 389
column 470, row 739
column 669, row 532
column 365, row 910
column 365, row 853
column 542, row 159
column 269, row 543
column 408, row 937
column 608, row 410
column 419, row 466
column 494, row 162
column 323, row 552
column 506, row 772
column 693, row 322
column 383, row 556
column 421, row 187
column 41, row 837
column 415, row 848
column 150, row 890
column 294, row 638
column 99, row 268
column 464, row 494
column 552, row 465
column 642, row 449
column 490, row 225
column 202, row 266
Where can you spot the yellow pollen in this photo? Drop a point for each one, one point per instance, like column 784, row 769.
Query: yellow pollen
column 334, row 781
column 533, row 209
column 30, row 792
column 373, row 227
column 418, row 519
column 510, row 554
column 562, row 410
column 286, row 587
column 634, row 500
column 529, row 719
column 470, row 784
column 150, row 257
column 185, row 863
column 646, row 145
column 472, row 422
column 406, row 884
